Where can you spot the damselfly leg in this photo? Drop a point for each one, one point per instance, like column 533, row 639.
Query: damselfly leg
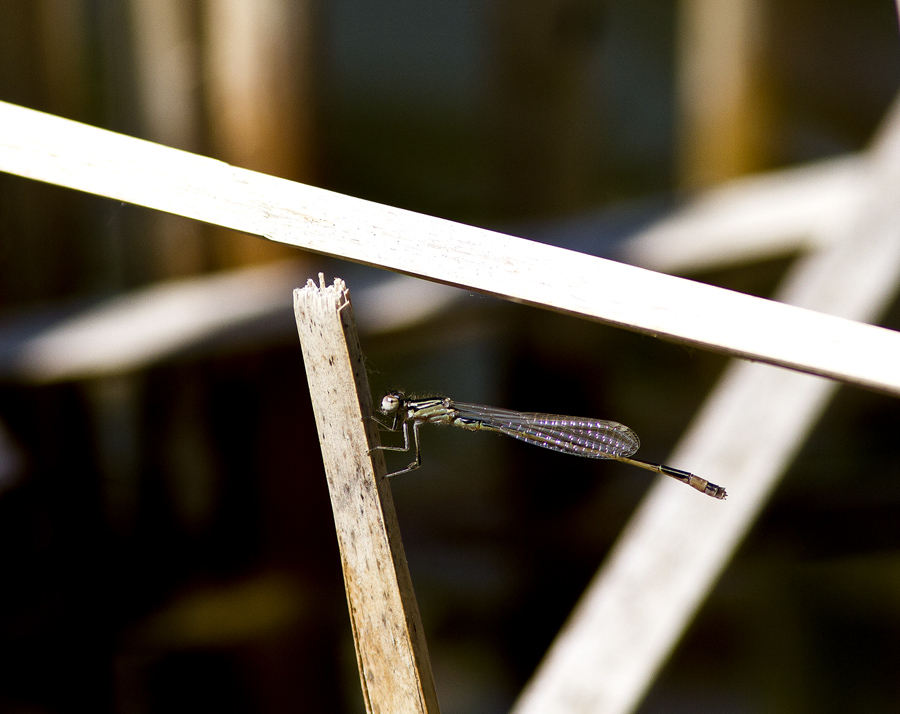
column 404, row 427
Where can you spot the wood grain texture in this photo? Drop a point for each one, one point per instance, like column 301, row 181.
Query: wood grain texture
column 48, row 148
column 387, row 631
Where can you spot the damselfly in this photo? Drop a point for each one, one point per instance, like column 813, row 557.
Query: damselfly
column 592, row 438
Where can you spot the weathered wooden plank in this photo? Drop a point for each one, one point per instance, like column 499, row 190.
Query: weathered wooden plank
column 390, row 644
column 63, row 152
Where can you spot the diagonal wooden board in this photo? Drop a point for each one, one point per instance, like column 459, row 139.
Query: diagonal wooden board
column 66, row 153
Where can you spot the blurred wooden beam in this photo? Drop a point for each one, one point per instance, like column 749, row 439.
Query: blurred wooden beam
column 755, row 421
column 259, row 83
column 725, row 111
column 221, row 311
column 542, row 127
column 757, row 217
column 167, row 75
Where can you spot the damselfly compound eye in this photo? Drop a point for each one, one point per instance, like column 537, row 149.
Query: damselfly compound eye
column 390, row 403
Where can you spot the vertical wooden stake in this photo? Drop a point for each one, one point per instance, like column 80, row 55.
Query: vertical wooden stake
column 390, row 645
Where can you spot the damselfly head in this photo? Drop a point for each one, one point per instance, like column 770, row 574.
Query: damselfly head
column 391, row 402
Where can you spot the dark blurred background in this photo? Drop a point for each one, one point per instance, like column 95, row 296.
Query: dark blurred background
column 166, row 541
